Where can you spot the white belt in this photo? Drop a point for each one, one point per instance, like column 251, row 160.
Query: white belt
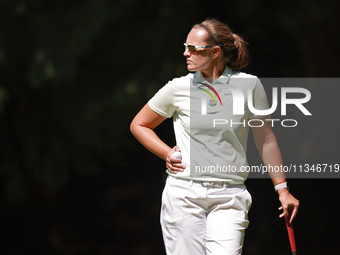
column 206, row 184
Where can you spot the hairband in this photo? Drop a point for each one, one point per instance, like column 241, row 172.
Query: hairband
column 212, row 35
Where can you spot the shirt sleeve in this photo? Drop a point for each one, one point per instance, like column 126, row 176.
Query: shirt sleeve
column 163, row 101
column 260, row 100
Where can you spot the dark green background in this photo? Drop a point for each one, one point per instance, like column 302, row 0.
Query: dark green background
column 72, row 76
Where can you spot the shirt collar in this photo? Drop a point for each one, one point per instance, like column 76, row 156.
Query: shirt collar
column 223, row 79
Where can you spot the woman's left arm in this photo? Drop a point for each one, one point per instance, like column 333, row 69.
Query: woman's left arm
column 269, row 150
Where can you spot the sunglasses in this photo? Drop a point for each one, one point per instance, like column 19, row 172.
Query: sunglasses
column 194, row 48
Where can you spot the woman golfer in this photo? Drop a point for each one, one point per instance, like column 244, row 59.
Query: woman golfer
column 205, row 202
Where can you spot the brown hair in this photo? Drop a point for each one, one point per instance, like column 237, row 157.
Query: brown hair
column 234, row 46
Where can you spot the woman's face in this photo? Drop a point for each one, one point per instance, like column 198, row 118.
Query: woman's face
column 200, row 60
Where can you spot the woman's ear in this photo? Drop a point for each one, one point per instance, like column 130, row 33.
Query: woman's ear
column 217, row 51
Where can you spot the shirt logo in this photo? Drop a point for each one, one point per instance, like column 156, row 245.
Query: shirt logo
column 212, row 102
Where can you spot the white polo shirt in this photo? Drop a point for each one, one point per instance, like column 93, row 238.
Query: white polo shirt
column 211, row 122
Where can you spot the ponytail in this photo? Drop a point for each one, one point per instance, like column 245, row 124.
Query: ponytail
column 240, row 57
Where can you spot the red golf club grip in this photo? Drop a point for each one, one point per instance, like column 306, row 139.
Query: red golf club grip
column 291, row 236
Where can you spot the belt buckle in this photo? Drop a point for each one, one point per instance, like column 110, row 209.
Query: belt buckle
column 214, row 184
column 207, row 184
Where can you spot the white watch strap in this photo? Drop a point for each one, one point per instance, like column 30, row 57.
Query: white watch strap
column 281, row 186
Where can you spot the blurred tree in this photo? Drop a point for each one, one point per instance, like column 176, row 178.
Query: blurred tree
column 73, row 75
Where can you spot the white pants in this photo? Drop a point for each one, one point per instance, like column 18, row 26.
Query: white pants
column 198, row 220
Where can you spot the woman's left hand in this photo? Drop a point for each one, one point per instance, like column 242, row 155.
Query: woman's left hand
column 289, row 204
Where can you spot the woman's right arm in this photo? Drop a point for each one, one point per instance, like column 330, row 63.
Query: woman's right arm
column 142, row 127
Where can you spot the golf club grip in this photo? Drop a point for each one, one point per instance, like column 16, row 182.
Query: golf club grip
column 291, row 235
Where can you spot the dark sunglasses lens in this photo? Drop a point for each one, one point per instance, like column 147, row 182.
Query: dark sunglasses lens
column 191, row 48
